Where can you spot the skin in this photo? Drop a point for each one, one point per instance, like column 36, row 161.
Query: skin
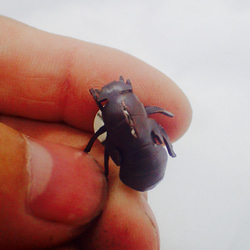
column 52, row 194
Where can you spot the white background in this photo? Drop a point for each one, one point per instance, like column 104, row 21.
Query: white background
column 204, row 46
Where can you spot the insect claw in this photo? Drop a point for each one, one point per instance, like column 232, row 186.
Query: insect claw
column 121, row 79
column 169, row 146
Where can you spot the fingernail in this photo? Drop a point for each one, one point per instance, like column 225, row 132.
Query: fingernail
column 64, row 184
column 40, row 170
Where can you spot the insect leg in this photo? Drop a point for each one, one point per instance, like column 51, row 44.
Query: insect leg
column 167, row 142
column 154, row 109
column 160, row 135
column 100, row 131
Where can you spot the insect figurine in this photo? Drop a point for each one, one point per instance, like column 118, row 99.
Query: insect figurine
column 134, row 141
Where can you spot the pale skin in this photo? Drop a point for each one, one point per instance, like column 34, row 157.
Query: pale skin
column 51, row 192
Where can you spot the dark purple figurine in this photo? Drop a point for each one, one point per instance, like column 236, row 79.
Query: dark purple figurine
column 134, row 141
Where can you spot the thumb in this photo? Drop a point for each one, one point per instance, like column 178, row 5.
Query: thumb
column 46, row 191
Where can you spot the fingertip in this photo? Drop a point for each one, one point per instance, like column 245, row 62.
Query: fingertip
column 72, row 67
column 157, row 89
column 66, row 184
column 47, row 191
column 126, row 222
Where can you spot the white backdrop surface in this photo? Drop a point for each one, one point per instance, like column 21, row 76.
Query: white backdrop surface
column 204, row 46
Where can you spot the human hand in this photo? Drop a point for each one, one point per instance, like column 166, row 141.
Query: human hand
column 51, row 192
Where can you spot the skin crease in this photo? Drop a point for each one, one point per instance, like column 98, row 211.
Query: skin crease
column 44, row 82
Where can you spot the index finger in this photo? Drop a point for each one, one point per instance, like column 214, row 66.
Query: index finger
column 47, row 77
